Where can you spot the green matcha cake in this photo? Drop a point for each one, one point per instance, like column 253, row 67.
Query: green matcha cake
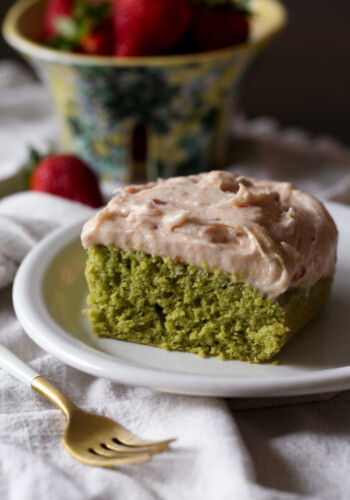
column 213, row 264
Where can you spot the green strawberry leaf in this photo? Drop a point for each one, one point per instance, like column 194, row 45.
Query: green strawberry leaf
column 61, row 43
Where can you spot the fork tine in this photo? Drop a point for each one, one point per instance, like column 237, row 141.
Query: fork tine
column 105, row 452
column 144, row 443
column 125, row 437
column 153, row 447
column 98, row 450
column 102, row 461
column 113, row 444
column 106, row 458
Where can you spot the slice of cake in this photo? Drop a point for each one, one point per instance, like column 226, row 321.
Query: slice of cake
column 214, row 264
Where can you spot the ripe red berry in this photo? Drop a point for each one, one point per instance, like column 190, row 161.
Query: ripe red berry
column 67, row 176
column 150, row 27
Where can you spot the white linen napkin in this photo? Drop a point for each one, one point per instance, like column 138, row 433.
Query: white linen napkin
column 24, row 219
column 244, row 450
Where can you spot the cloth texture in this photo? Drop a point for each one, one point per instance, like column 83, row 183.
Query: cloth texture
column 245, row 449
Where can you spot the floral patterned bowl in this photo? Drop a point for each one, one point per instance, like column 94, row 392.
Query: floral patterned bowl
column 139, row 118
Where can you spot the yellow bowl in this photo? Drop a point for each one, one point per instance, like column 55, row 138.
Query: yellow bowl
column 139, row 118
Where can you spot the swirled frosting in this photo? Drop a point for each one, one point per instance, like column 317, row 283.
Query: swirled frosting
column 266, row 233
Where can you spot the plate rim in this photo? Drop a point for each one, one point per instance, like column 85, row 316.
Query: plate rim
column 40, row 326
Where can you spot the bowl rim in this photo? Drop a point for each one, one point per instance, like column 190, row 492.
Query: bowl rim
column 32, row 49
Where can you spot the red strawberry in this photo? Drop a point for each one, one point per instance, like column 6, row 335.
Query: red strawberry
column 56, row 9
column 219, row 27
column 150, row 27
column 67, row 176
column 100, row 41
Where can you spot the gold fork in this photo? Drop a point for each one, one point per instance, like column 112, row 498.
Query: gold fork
column 92, row 439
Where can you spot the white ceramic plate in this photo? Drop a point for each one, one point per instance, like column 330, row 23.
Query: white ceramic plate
column 49, row 295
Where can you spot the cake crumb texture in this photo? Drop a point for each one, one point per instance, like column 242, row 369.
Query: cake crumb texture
column 152, row 300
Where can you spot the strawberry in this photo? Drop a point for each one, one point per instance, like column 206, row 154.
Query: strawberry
column 219, row 27
column 150, row 27
column 55, row 10
column 67, row 176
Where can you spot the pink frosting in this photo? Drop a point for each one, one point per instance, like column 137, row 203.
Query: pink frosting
column 266, row 233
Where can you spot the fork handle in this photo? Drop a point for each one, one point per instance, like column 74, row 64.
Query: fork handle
column 16, row 367
column 23, row 372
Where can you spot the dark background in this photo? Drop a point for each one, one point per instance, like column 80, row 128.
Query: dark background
column 303, row 79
